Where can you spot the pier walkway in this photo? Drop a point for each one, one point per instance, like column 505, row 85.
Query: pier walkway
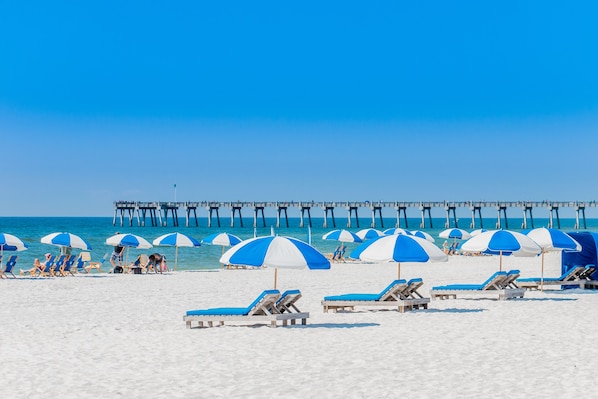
column 158, row 212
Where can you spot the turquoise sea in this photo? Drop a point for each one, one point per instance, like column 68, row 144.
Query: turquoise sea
column 96, row 229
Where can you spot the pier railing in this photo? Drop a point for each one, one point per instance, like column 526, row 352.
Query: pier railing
column 158, row 212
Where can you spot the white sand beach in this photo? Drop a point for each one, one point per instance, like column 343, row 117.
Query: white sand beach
column 123, row 336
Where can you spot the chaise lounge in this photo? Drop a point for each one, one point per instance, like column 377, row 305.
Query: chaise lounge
column 400, row 294
column 268, row 307
column 574, row 276
column 495, row 285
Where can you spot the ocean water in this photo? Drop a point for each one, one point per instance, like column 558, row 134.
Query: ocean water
column 97, row 229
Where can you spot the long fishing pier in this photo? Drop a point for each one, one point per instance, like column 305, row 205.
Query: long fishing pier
column 158, row 212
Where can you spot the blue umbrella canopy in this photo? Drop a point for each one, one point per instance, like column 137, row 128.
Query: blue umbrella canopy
column 458, row 234
column 396, row 230
column 223, row 239
column 128, row 240
column 502, row 242
column 277, row 252
column 368, row 234
column 9, row 242
column 66, row 240
column 399, row 248
column 342, row 236
column 552, row 240
column 176, row 240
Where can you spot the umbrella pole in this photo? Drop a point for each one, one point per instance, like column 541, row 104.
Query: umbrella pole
column 275, row 276
column 500, row 265
column 399, row 270
column 542, row 274
column 176, row 256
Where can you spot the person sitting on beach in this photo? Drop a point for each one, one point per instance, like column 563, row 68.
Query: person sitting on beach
column 157, row 262
column 445, row 247
column 37, row 266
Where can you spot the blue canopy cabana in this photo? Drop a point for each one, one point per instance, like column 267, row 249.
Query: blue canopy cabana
column 588, row 254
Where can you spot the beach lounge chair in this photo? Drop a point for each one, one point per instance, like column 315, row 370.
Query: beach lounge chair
column 67, row 267
column 86, row 256
column 492, row 286
column 262, row 309
column 46, row 269
column 570, row 277
column 56, row 269
column 397, row 294
column 286, row 305
column 8, row 267
column 588, row 272
column 510, row 280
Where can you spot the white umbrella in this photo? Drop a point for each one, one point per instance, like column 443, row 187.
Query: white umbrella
column 457, row 234
column 368, row 234
column 66, row 240
column 176, row 240
column 276, row 252
column 502, row 242
column 342, row 236
column 552, row 240
column 222, row 239
column 128, row 240
column 396, row 230
column 423, row 234
column 399, row 248
column 8, row 242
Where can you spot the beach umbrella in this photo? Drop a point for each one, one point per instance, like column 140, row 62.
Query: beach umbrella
column 222, row 239
column 552, row 240
column 128, row 241
column 396, row 230
column 399, row 248
column 368, row 234
column 8, row 242
column 502, row 242
column 423, row 234
column 276, row 252
column 342, row 236
column 176, row 240
column 66, row 240
column 457, row 234
column 476, row 232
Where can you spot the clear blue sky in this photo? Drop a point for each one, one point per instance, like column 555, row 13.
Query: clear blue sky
column 395, row 100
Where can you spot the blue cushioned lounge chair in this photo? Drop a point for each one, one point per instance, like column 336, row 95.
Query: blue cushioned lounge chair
column 570, row 277
column 396, row 294
column 47, row 267
column 493, row 286
column 286, row 306
column 262, row 309
column 510, row 280
column 10, row 265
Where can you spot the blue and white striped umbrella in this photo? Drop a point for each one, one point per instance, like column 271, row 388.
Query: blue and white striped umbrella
column 8, row 242
column 423, row 234
column 176, row 240
column 276, row 252
column 502, row 242
column 342, row 236
column 399, row 248
column 128, row 240
column 457, row 234
column 66, row 240
column 368, row 234
column 223, row 239
column 396, row 230
column 552, row 240
column 477, row 231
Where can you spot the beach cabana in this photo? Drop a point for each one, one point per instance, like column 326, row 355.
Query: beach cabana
column 588, row 254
